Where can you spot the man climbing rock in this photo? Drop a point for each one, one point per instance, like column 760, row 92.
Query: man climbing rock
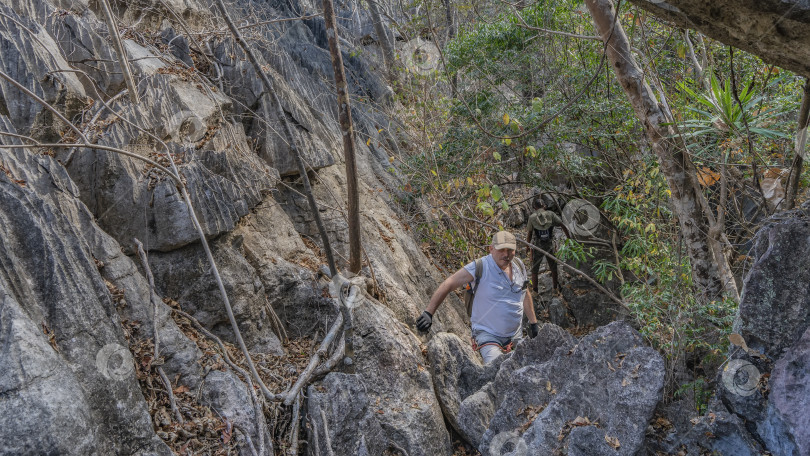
column 500, row 299
column 541, row 229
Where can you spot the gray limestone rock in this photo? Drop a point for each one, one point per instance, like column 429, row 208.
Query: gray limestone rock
column 32, row 58
column 66, row 376
column 185, row 275
column 224, row 178
column 608, row 377
column 788, row 415
column 771, row 29
column 457, row 374
column 224, row 392
column 775, row 302
column 390, row 359
column 351, row 417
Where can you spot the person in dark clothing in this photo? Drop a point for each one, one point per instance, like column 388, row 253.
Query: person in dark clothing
column 541, row 230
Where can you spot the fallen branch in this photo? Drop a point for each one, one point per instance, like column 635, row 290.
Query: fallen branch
column 333, row 360
column 313, row 362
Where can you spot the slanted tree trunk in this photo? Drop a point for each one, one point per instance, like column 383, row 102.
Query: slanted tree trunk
column 386, row 42
column 801, row 140
column 112, row 27
column 675, row 164
column 345, row 119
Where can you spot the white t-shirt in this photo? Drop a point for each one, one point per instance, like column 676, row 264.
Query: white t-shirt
column 498, row 305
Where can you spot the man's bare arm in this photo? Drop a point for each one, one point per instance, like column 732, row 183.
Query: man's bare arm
column 458, row 279
column 528, row 308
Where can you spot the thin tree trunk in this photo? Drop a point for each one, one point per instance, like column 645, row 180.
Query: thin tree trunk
column 798, row 159
column 112, row 28
column 386, row 43
column 451, row 23
column 269, row 87
column 675, row 164
column 717, row 229
column 696, row 66
column 345, row 119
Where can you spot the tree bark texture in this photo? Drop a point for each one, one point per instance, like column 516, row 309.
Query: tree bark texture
column 345, row 120
column 675, row 164
column 801, row 140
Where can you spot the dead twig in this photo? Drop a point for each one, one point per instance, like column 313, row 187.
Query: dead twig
column 293, row 451
column 326, row 438
column 155, row 333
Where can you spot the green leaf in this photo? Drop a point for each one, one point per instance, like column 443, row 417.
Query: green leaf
column 485, row 208
column 531, row 151
column 504, row 205
column 496, row 156
column 497, row 194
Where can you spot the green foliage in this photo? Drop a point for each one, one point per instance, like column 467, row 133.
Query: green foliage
column 571, row 250
column 725, row 117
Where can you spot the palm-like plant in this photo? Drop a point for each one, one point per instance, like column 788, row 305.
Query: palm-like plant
column 723, row 116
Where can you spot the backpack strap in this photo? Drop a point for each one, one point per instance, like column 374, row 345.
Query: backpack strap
column 469, row 296
column 479, row 266
column 522, row 267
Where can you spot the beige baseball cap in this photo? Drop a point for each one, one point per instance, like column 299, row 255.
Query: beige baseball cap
column 504, row 240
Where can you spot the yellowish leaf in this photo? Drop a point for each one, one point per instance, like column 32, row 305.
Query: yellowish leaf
column 612, row 441
column 506, row 119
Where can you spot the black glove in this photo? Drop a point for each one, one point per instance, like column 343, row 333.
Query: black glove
column 533, row 330
column 424, row 321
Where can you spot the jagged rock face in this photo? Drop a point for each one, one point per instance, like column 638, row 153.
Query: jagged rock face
column 775, row 303
column 389, row 358
column 185, row 275
column 37, row 64
column 775, row 30
column 762, row 395
column 66, row 375
column 351, row 418
column 608, row 377
column 774, row 319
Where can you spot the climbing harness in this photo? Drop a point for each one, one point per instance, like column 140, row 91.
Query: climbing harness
column 506, row 349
